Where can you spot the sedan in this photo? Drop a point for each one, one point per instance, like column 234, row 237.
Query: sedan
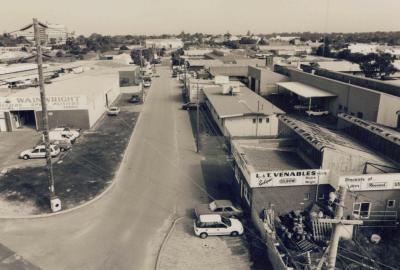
column 39, row 152
column 113, row 111
column 224, row 208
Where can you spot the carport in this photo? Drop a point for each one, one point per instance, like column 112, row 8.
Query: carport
column 305, row 91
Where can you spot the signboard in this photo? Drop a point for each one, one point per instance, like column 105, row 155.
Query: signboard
column 33, row 103
column 241, row 162
column 289, row 178
column 385, row 181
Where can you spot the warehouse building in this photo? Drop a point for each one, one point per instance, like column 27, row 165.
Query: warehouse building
column 76, row 100
column 239, row 112
column 367, row 99
column 308, row 162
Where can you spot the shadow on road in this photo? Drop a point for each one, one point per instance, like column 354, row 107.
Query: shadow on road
column 9, row 260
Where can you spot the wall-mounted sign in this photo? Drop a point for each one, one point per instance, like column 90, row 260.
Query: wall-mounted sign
column 289, row 178
column 33, row 103
column 384, row 181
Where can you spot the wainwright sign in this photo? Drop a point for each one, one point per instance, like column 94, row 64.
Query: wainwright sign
column 33, row 103
column 289, row 178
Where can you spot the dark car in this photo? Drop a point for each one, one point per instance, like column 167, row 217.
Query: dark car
column 174, row 73
column 224, row 208
column 135, row 99
column 189, row 106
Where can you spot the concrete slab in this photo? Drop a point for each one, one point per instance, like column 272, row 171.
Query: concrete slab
column 185, row 251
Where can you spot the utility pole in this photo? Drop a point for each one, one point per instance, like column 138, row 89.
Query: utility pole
column 338, row 222
column 55, row 202
column 197, row 121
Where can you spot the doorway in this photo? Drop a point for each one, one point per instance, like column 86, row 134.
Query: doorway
column 23, row 119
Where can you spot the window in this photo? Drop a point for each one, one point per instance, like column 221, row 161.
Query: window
column 345, row 109
column 35, row 151
column 218, row 209
column 259, row 120
column 306, row 196
column 360, row 115
column 391, row 203
column 321, row 196
column 220, row 225
column 267, row 120
column 362, row 209
column 254, row 120
column 42, row 150
column 340, row 107
column 228, row 209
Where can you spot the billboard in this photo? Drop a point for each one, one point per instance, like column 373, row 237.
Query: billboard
column 33, row 103
column 384, row 181
column 289, row 178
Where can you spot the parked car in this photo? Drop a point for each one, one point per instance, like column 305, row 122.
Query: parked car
column 189, row 106
column 174, row 73
column 113, row 111
column 224, row 208
column 135, row 99
column 58, row 136
column 146, row 82
column 72, row 134
column 39, row 152
column 206, row 225
column 63, row 145
column 317, row 112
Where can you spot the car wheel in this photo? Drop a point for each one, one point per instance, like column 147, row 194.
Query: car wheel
column 26, row 157
column 203, row 235
column 234, row 233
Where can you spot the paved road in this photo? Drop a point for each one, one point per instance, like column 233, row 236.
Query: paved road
column 160, row 177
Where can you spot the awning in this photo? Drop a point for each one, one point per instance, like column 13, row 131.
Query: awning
column 304, row 90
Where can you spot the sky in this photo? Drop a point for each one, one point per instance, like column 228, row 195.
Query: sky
column 148, row 17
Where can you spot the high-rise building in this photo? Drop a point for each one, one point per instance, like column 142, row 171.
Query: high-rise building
column 54, row 34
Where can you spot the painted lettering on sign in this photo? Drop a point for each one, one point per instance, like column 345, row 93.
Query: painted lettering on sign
column 384, row 181
column 34, row 103
column 289, row 178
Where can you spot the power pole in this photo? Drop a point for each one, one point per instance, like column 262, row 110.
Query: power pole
column 55, row 202
column 338, row 222
column 197, row 121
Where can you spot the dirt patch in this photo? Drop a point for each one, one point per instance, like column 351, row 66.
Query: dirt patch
column 82, row 174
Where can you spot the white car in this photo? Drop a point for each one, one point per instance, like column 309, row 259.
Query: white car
column 40, row 152
column 113, row 111
column 213, row 224
column 317, row 113
column 72, row 134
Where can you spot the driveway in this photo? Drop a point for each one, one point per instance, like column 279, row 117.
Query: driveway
column 13, row 143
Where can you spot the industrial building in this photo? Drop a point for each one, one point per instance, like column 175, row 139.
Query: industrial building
column 76, row 100
column 306, row 163
column 168, row 44
column 367, row 99
column 239, row 112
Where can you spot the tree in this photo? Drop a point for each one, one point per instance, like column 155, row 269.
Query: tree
column 377, row 65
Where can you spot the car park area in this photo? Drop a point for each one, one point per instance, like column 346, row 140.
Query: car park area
column 80, row 174
column 185, row 251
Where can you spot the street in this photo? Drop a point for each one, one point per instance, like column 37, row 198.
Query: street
column 160, row 178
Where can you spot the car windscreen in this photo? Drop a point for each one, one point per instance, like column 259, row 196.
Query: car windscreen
column 226, row 221
column 212, row 206
column 200, row 224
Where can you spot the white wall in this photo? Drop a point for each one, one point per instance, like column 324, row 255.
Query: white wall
column 97, row 104
column 388, row 106
column 245, row 127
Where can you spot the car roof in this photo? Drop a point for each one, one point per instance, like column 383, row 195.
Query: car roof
column 223, row 203
column 210, row 218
